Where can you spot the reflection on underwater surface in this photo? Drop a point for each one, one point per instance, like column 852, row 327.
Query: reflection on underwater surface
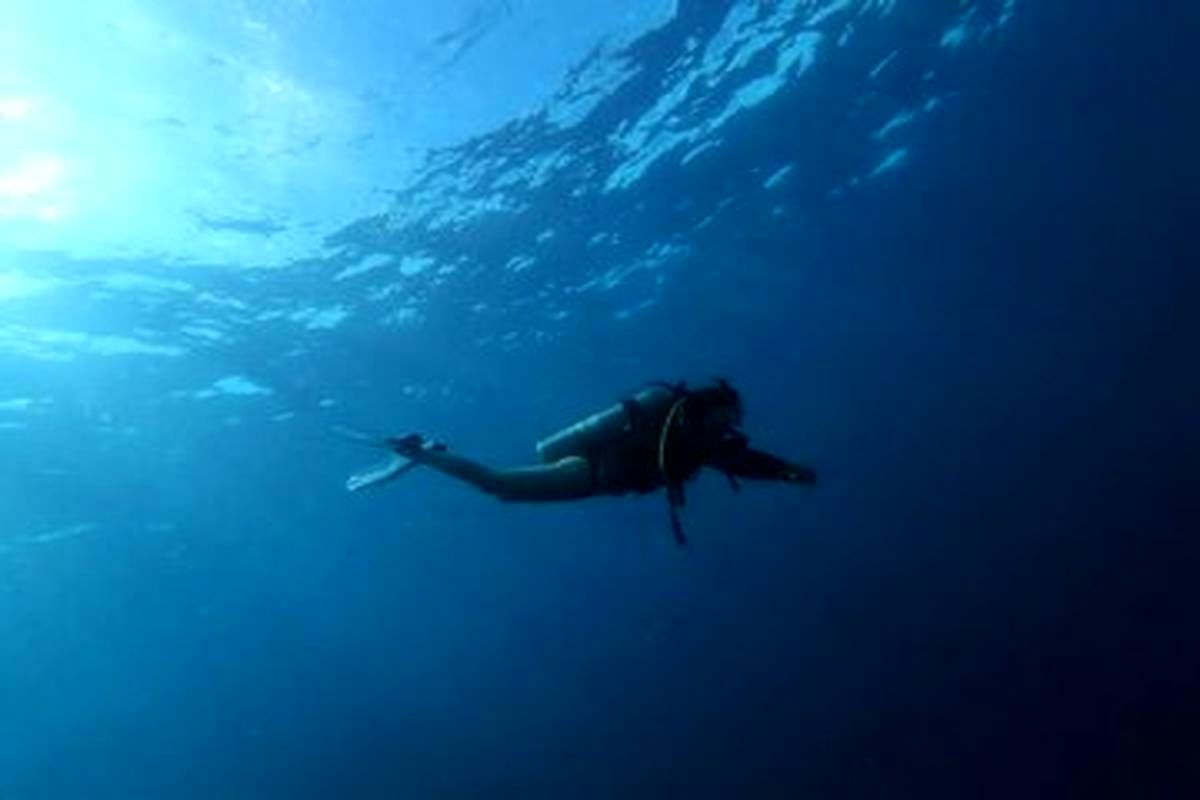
column 906, row 229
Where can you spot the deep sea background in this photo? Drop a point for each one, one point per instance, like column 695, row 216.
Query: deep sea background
column 946, row 249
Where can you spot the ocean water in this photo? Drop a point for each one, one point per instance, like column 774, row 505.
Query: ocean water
column 945, row 249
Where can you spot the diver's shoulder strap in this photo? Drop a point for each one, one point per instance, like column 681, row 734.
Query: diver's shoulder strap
column 676, row 498
column 640, row 419
column 676, row 501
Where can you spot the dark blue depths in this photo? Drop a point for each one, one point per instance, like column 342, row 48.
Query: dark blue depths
column 988, row 355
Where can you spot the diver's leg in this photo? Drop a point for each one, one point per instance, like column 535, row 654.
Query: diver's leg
column 568, row 479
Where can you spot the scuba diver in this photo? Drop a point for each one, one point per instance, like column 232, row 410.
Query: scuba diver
column 658, row 439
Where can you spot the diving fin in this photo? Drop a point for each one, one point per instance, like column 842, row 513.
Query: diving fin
column 402, row 456
column 387, row 470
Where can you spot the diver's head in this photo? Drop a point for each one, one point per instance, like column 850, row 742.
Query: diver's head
column 718, row 408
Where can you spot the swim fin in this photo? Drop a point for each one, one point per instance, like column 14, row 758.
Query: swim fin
column 387, row 470
column 391, row 468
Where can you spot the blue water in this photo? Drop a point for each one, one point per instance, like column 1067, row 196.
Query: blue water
column 944, row 248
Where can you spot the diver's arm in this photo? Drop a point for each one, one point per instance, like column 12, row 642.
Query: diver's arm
column 568, row 479
column 746, row 462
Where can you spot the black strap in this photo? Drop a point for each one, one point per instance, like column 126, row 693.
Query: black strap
column 675, row 501
column 675, row 495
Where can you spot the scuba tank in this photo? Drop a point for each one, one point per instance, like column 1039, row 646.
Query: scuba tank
column 608, row 425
